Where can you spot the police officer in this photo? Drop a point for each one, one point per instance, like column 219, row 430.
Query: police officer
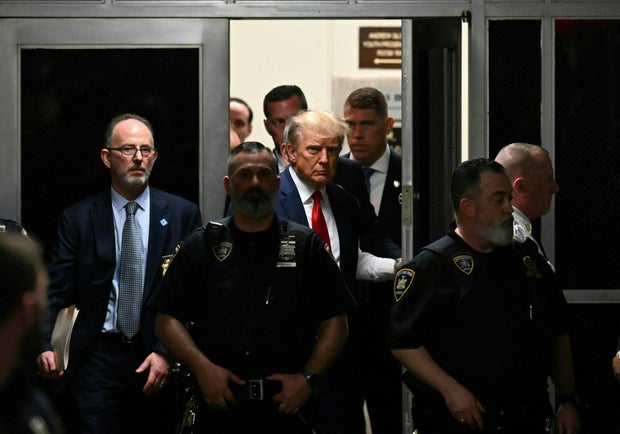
column 475, row 317
column 255, row 307
column 24, row 408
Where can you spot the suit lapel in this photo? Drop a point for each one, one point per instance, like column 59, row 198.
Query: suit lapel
column 392, row 186
column 102, row 221
column 158, row 234
column 341, row 215
column 291, row 207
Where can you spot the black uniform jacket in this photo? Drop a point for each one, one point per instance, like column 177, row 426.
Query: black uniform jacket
column 253, row 302
column 487, row 319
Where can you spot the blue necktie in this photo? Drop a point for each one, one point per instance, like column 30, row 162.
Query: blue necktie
column 368, row 171
column 130, row 276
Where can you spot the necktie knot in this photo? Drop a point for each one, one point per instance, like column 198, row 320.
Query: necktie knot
column 316, row 196
column 130, row 208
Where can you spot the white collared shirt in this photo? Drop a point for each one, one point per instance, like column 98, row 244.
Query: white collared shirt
column 282, row 165
column 305, row 193
column 120, row 215
column 522, row 230
column 369, row 267
column 377, row 179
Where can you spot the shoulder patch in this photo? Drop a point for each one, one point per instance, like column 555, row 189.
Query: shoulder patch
column 465, row 263
column 402, row 282
column 167, row 260
column 222, row 250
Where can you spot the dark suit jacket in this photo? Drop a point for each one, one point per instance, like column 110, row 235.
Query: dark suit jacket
column 375, row 238
column 84, row 260
column 346, row 212
column 390, row 217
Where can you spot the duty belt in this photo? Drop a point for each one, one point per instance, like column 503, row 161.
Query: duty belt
column 258, row 390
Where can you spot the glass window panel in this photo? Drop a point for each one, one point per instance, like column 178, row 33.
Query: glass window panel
column 587, row 158
column 514, row 83
column 67, row 98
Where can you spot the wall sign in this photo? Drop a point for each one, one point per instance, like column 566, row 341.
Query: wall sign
column 380, row 47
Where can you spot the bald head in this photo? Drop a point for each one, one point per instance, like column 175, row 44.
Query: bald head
column 531, row 174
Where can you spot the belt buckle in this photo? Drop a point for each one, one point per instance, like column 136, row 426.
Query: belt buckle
column 126, row 340
column 256, row 390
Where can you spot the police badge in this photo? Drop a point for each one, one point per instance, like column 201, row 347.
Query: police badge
column 286, row 254
column 465, row 263
column 166, row 260
column 532, row 268
column 222, row 251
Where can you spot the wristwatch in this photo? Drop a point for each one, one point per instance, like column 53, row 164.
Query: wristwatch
column 313, row 380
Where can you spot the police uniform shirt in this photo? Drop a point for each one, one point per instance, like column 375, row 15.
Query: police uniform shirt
column 487, row 329
column 249, row 305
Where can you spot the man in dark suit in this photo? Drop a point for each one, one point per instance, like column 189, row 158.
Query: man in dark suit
column 116, row 372
column 313, row 142
column 365, row 112
column 279, row 105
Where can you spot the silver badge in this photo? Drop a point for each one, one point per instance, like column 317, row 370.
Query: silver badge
column 286, row 254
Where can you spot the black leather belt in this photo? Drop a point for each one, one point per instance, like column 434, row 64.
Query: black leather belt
column 120, row 337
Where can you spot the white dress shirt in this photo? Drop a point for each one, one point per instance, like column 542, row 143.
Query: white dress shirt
column 369, row 267
column 522, row 227
column 305, row 193
column 377, row 179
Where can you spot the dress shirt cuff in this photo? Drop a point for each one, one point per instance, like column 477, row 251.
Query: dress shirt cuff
column 374, row 268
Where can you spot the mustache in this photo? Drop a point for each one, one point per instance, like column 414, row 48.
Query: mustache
column 255, row 191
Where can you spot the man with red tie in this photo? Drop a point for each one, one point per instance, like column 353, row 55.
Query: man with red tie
column 308, row 196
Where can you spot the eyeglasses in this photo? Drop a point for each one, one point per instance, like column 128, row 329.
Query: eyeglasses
column 130, row 151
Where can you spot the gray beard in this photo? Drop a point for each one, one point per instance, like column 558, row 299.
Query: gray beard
column 255, row 207
column 499, row 235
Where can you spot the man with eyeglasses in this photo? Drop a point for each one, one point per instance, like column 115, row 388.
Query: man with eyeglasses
column 117, row 369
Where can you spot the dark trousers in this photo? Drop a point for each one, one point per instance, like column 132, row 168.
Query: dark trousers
column 249, row 417
column 511, row 418
column 378, row 372
column 107, row 393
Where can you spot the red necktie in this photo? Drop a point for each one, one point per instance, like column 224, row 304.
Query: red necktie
column 318, row 219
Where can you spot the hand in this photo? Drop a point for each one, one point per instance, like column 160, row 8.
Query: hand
column 568, row 419
column 158, row 367
column 295, row 392
column 46, row 364
column 464, row 407
column 213, row 381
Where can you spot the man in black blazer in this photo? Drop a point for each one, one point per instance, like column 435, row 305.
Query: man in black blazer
column 114, row 380
column 279, row 105
column 365, row 112
column 313, row 142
